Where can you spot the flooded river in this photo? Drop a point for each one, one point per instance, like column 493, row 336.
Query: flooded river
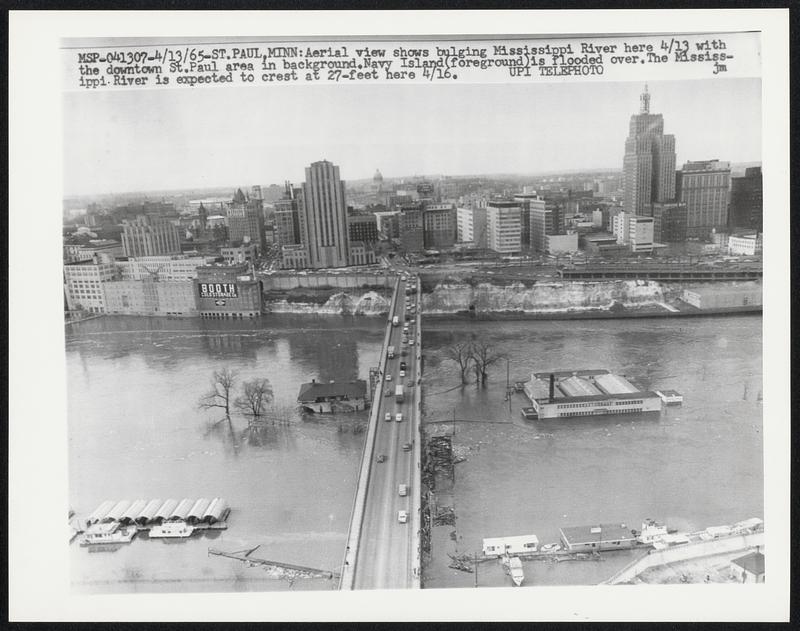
column 693, row 466
column 135, row 432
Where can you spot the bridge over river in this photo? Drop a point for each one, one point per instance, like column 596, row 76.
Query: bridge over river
column 383, row 542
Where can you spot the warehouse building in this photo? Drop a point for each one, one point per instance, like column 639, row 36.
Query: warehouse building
column 587, row 393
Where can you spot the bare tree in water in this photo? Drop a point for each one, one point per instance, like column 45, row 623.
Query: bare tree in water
column 461, row 354
column 483, row 356
column 256, row 395
column 219, row 396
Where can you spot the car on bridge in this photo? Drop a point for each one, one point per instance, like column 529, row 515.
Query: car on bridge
column 402, row 516
column 389, row 377
column 398, row 417
column 382, row 458
column 387, row 416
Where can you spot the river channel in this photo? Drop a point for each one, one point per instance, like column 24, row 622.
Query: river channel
column 693, row 466
column 135, row 432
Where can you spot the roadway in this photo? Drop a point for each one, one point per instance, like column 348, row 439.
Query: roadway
column 387, row 548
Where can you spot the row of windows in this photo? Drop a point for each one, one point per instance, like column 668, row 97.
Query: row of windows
column 508, row 545
column 626, row 411
column 215, row 315
column 602, row 403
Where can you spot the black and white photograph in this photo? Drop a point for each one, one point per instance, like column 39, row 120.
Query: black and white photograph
column 414, row 316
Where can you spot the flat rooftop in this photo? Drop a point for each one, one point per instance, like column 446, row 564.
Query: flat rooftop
column 561, row 374
column 575, row 386
column 597, row 533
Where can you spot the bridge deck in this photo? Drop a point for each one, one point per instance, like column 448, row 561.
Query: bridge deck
column 382, row 552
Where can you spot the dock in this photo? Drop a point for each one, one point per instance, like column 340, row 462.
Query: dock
column 153, row 516
column 301, row 571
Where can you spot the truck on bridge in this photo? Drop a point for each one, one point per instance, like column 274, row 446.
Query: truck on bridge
column 399, row 394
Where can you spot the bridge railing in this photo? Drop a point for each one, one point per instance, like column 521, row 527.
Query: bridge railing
column 347, row 577
column 416, row 511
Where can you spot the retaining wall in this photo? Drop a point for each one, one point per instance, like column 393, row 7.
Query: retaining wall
column 685, row 552
column 314, row 280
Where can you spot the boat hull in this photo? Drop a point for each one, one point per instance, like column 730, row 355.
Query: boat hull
column 171, row 531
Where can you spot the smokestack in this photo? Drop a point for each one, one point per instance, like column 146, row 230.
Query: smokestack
column 552, row 387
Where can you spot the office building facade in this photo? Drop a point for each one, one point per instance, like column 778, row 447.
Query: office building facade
column 323, row 223
column 246, row 221
column 439, row 225
column 148, row 235
column 704, row 188
column 388, row 223
column 669, row 222
column 162, row 268
column 286, row 230
column 471, row 226
column 649, row 162
column 504, row 227
column 640, row 234
column 363, row 228
column 545, row 219
column 411, row 229
column 747, row 201
column 529, row 202
column 83, row 284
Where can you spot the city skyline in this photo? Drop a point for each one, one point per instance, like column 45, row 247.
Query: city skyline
column 459, row 130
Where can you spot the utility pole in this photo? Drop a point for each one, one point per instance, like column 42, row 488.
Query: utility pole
column 508, row 384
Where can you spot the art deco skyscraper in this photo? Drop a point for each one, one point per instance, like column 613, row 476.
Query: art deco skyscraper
column 649, row 163
column 323, row 225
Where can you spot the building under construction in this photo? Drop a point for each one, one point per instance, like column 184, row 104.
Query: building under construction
column 587, row 393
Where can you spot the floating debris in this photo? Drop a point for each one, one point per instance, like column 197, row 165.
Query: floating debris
column 463, row 563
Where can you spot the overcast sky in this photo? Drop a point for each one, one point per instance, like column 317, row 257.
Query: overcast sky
column 193, row 138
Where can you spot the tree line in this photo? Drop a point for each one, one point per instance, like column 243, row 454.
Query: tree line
column 254, row 399
column 474, row 357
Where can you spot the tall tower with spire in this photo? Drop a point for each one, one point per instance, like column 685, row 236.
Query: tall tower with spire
column 649, row 162
column 644, row 101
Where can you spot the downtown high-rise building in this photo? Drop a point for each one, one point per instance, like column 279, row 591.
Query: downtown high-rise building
column 704, row 186
column 504, row 226
column 746, row 209
column 649, row 163
column 246, row 220
column 149, row 235
column 323, row 224
column 287, row 216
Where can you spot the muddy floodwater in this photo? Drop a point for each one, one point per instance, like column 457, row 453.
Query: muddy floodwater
column 135, row 432
column 697, row 465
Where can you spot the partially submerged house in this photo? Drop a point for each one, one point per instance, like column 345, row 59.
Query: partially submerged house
column 333, row 396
